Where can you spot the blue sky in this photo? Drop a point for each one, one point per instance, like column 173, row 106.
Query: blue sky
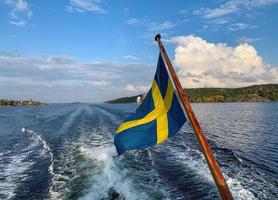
column 93, row 50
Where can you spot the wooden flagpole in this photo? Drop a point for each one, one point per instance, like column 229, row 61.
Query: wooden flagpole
column 212, row 163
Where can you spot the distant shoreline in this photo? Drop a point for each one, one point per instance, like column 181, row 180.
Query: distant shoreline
column 14, row 103
column 254, row 93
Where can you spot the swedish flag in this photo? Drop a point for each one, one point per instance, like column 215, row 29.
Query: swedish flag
column 159, row 116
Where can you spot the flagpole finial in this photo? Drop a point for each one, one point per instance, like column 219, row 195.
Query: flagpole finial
column 158, row 36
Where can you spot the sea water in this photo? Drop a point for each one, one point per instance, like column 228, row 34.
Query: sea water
column 66, row 151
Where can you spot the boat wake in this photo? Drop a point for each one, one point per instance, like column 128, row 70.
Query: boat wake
column 72, row 156
column 188, row 166
column 195, row 160
column 13, row 168
column 110, row 182
column 37, row 139
column 16, row 165
column 110, row 115
column 46, row 148
column 89, row 169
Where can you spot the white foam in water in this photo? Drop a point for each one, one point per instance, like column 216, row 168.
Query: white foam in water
column 12, row 174
column 58, row 188
column 200, row 167
column 37, row 138
column 14, row 171
column 238, row 191
column 104, row 176
column 110, row 177
column 48, row 149
column 71, row 119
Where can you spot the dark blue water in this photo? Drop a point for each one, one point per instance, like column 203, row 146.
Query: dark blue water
column 66, row 152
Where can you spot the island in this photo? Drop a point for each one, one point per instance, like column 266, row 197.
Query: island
column 8, row 102
column 254, row 93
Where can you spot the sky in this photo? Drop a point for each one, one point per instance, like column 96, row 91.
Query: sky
column 96, row 50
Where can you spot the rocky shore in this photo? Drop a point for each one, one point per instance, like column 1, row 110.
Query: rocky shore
column 8, row 102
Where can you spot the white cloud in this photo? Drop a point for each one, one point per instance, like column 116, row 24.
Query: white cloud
column 220, row 21
column 20, row 13
column 204, row 64
column 220, row 18
column 64, row 78
column 15, row 81
column 101, row 83
column 151, row 26
column 229, row 7
column 130, row 57
column 136, row 88
column 160, row 26
column 135, row 22
column 258, row 3
column 244, row 39
column 130, row 88
column 232, row 6
column 224, row 24
column 240, row 26
column 85, row 6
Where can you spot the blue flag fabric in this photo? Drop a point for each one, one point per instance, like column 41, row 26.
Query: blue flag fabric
column 159, row 116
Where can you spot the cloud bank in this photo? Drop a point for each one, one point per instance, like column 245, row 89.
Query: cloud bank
column 137, row 88
column 66, row 79
column 62, row 78
column 204, row 64
column 20, row 13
